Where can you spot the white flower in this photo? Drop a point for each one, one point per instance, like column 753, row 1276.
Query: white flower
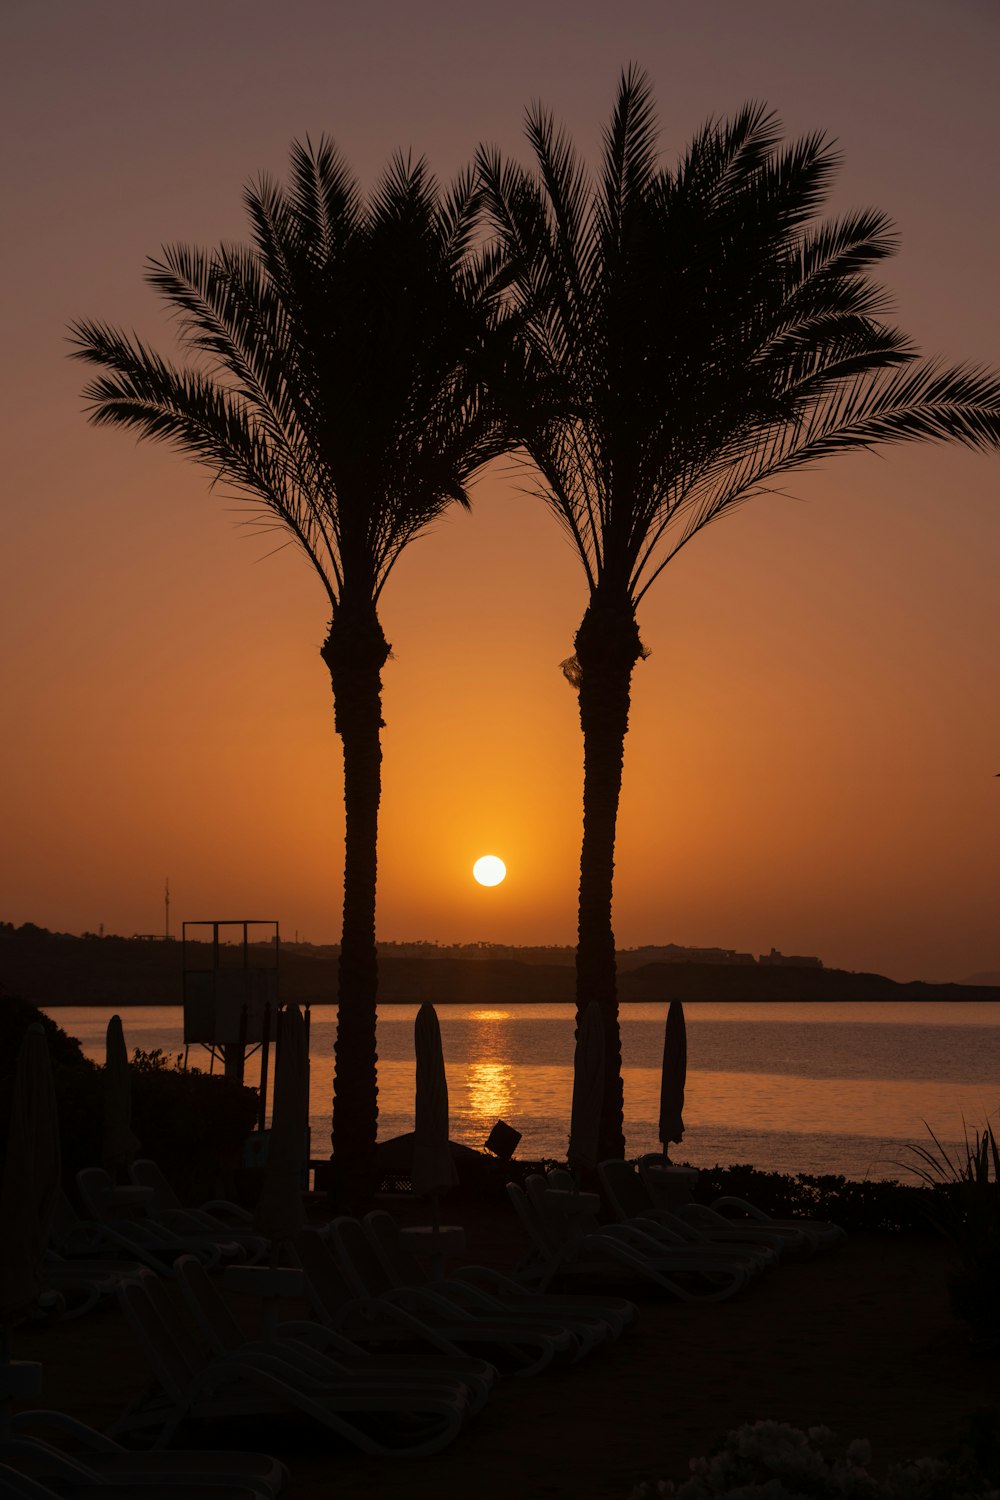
column 775, row 1461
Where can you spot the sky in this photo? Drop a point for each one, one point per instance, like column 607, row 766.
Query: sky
column 811, row 763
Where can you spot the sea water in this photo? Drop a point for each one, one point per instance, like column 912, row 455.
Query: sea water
column 846, row 1087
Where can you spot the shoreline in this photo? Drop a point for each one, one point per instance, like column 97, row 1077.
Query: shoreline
column 927, row 993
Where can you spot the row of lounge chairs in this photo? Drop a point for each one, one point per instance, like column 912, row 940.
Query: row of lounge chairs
column 88, row 1254
column 386, row 1364
column 390, row 1360
column 430, row 1356
column 36, row 1469
column 633, row 1230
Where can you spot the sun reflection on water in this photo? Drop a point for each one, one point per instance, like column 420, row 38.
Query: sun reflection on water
column 487, row 1081
column 489, row 1091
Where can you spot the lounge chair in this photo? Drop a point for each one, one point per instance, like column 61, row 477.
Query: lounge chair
column 81, row 1285
column 90, row 1241
column 404, row 1270
column 76, row 1480
column 576, row 1243
column 80, row 1485
column 628, row 1198
column 219, row 1218
column 372, row 1323
column 107, row 1463
column 99, row 1196
column 230, row 1214
column 318, row 1354
column 520, row 1346
column 818, row 1234
column 481, row 1289
column 399, row 1418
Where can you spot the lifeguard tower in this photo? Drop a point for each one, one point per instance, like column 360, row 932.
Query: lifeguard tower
column 231, row 990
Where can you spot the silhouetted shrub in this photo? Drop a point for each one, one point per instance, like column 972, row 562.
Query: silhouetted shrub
column 77, row 1083
column 192, row 1124
column 878, row 1207
column 16, row 1015
column 965, row 1208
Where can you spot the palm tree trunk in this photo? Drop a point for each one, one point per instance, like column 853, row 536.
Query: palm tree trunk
column 607, row 649
column 355, row 652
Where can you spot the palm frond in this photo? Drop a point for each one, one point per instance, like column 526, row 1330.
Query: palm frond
column 324, row 198
column 629, row 154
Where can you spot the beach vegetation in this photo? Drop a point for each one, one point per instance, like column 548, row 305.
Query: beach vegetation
column 334, row 380
column 882, row 1206
column 697, row 334
column 965, row 1208
column 871, row 1205
column 16, row 1015
column 192, row 1124
column 76, row 1081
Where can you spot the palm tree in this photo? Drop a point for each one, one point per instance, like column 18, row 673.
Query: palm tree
column 707, row 335
column 335, row 381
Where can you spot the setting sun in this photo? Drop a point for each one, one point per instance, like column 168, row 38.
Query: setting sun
column 489, row 870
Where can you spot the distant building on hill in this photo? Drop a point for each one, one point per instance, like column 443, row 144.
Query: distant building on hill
column 789, row 960
column 673, row 953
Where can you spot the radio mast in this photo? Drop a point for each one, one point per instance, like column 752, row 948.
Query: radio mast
column 166, row 908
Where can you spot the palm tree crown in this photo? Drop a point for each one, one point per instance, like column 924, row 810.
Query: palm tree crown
column 706, row 335
column 336, row 380
column 703, row 335
column 336, row 365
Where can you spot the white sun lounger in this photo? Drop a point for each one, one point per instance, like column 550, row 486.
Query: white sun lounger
column 77, row 1480
column 737, row 1212
column 398, row 1418
column 319, row 1355
column 90, row 1241
column 626, row 1195
column 354, row 1319
column 166, row 1209
column 520, row 1346
column 581, row 1245
column 480, row 1288
column 106, row 1462
column 97, row 1192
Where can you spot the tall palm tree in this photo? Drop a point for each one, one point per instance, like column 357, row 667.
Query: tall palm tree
column 707, row 335
column 335, row 380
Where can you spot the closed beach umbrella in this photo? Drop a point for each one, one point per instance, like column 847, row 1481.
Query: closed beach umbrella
column 119, row 1144
column 588, row 1090
column 31, row 1172
column 279, row 1213
column 433, row 1168
column 673, row 1077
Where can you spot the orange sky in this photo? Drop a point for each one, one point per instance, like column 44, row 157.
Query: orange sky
column 815, row 736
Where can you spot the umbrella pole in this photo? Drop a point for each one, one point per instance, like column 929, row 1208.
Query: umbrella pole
column 437, row 1249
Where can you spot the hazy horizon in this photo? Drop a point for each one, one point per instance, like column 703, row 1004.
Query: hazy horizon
column 487, row 949
column 814, row 739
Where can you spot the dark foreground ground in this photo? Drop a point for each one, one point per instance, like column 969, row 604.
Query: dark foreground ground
column 862, row 1341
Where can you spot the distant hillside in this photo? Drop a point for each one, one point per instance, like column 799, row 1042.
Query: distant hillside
column 54, row 969
column 762, row 982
